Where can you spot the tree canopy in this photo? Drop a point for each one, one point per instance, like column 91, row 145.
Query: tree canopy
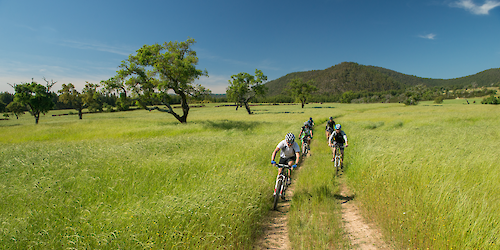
column 69, row 95
column 35, row 97
column 301, row 90
column 243, row 87
column 158, row 70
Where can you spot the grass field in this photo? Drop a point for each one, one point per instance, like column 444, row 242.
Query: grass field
column 140, row 180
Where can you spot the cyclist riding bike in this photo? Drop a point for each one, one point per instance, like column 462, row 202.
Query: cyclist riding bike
column 306, row 134
column 330, row 125
column 309, row 123
column 338, row 137
column 290, row 153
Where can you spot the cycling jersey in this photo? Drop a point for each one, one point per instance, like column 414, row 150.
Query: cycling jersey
column 330, row 124
column 286, row 151
column 305, row 133
column 340, row 138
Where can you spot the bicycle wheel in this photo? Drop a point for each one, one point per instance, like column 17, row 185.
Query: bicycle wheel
column 277, row 194
column 336, row 165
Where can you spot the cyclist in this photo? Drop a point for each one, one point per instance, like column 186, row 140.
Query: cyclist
column 290, row 153
column 338, row 137
column 330, row 125
column 310, row 123
column 306, row 134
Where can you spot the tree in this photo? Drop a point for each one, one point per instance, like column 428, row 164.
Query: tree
column 91, row 97
column 5, row 99
column 157, row 70
column 118, row 85
column 69, row 95
column 300, row 90
column 243, row 87
column 35, row 97
column 16, row 108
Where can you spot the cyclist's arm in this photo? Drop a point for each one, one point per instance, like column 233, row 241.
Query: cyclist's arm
column 330, row 139
column 345, row 139
column 297, row 158
column 274, row 153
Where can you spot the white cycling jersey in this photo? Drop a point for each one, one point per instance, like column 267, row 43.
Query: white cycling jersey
column 287, row 152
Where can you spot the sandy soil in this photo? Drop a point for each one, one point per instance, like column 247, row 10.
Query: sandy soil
column 275, row 229
column 361, row 234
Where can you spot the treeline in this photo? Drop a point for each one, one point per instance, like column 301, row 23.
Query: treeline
column 103, row 102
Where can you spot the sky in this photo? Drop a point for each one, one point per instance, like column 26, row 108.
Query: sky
column 85, row 41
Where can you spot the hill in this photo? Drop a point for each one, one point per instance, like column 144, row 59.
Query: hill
column 350, row 76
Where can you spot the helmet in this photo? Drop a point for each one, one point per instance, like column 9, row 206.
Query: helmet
column 310, row 118
column 337, row 126
column 331, row 118
column 290, row 138
column 306, row 123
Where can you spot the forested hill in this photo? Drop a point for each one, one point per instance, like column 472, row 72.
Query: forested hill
column 485, row 78
column 350, row 76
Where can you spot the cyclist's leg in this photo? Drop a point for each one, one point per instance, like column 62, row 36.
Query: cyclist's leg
column 333, row 151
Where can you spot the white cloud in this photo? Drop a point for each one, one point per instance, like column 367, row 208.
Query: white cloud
column 429, row 36
column 477, row 9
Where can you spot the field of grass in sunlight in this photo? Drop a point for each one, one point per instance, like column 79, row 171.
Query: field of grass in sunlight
column 426, row 174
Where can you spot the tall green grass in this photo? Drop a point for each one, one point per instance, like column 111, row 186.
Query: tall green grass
column 429, row 174
column 426, row 174
column 315, row 219
column 139, row 180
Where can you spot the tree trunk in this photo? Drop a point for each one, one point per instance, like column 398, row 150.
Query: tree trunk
column 80, row 114
column 248, row 108
column 37, row 117
column 303, row 104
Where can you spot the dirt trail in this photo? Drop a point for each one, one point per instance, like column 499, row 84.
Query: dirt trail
column 275, row 229
column 360, row 234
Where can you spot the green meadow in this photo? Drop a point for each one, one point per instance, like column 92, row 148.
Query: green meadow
column 426, row 174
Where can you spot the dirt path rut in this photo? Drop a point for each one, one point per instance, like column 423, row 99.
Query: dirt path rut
column 361, row 234
column 275, row 229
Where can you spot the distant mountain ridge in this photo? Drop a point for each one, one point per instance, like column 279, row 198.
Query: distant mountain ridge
column 350, row 76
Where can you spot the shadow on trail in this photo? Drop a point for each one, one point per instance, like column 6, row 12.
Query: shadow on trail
column 228, row 125
column 343, row 198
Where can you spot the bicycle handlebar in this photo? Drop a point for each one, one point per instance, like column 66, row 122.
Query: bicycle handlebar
column 282, row 165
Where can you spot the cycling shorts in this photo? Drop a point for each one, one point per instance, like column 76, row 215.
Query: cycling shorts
column 341, row 145
column 287, row 160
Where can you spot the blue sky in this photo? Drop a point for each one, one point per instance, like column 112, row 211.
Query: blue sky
column 78, row 41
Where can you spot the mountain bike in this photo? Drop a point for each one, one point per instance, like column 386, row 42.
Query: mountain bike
column 337, row 159
column 305, row 146
column 281, row 184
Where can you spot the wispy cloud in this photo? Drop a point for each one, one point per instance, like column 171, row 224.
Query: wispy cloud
column 96, row 46
column 429, row 36
column 469, row 5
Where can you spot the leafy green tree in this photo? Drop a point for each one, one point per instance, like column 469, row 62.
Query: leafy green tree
column 439, row 99
column 491, row 100
column 2, row 106
column 5, row 99
column 91, row 97
column 348, row 96
column 300, row 90
column 243, row 87
column 69, row 95
column 118, row 85
column 157, row 70
column 16, row 109
column 35, row 97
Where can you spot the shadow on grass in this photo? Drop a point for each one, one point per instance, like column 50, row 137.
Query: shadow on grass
column 228, row 125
